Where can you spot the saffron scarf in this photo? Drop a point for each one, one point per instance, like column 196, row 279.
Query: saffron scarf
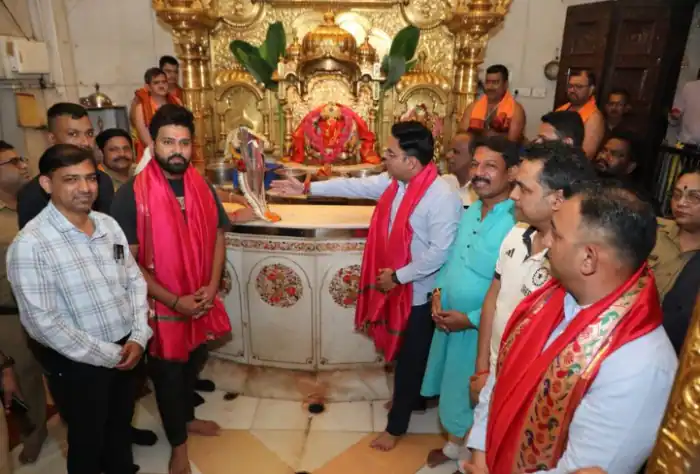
column 178, row 249
column 149, row 108
column 538, row 390
column 500, row 120
column 383, row 316
column 585, row 112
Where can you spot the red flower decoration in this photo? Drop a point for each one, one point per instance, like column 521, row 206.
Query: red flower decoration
column 240, row 166
column 291, row 291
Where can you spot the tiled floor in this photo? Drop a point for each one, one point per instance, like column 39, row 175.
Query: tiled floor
column 265, row 436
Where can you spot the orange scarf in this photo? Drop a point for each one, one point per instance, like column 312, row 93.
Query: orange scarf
column 149, row 108
column 538, row 389
column 585, row 112
column 500, row 120
column 178, row 248
column 383, row 316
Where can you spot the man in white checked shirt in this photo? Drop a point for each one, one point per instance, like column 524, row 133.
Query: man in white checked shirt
column 82, row 300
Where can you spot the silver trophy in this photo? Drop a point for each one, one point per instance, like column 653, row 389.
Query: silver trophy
column 251, row 173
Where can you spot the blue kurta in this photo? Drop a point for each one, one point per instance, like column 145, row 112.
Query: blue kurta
column 464, row 281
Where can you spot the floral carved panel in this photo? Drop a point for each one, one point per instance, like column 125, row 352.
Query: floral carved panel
column 278, row 285
column 345, row 286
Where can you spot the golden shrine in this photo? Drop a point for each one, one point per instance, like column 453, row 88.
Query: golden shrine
column 338, row 64
column 333, row 58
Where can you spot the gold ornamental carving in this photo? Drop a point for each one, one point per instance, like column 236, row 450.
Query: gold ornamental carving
column 470, row 22
column 678, row 443
column 224, row 96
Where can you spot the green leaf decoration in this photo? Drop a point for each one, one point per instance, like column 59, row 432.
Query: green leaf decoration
column 385, row 64
column 275, row 44
column 396, row 67
column 250, row 58
column 405, row 43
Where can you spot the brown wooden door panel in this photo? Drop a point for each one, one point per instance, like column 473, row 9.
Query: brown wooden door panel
column 635, row 59
column 585, row 43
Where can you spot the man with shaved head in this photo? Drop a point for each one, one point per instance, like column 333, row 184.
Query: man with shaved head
column 459, row 162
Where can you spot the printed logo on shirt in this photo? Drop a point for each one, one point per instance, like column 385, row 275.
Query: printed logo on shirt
column 540, row 277
column 181, row 200
column 510, row 253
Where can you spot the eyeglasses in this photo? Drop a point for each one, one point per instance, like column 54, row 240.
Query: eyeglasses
column 578, row 87
column 691, row 196
column 17, row 160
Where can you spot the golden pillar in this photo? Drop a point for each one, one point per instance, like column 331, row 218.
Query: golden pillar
column 678, row 443
column 470, row 22
column 191, row 22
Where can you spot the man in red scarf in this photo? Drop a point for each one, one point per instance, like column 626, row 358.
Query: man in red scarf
column 584, row 368
column 175, row 226
column 412, row 228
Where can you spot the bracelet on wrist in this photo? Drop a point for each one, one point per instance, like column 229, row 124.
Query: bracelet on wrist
column 174, row 305
column 481, row 372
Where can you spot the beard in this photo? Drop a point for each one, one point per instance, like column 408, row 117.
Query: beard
column 172, row 165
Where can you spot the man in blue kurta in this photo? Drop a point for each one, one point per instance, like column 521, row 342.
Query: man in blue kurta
column 461, row 287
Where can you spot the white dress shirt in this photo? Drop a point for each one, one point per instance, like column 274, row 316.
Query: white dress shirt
column 466, row 192
column 75, row 295
column 434, row 221
column 615, row 425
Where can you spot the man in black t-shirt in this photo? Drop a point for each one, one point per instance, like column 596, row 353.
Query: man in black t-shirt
column 124, row 207
column 175, row 225
column 68, row 124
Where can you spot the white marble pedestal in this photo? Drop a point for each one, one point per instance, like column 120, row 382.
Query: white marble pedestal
column 291, row 289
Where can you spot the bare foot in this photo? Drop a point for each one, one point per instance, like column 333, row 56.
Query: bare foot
column 436, row 458
column 385, row 442
column 203, row 427
column 179, row 461
column 388, row 404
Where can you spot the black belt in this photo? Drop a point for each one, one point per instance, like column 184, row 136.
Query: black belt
column 7, row 310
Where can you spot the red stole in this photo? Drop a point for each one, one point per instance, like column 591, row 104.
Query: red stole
column 149, row 108
column 383, row 316
column 178, row 248
column 537, row 391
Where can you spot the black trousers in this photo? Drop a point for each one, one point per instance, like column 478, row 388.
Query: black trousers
column 411, row 361
column 174, row 386
column 96, row 404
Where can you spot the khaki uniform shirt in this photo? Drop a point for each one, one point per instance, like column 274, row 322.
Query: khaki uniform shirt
column 117, row 180
column 667, row 260
column 9, row 227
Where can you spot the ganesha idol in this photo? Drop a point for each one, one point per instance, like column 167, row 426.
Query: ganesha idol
column 333, row 134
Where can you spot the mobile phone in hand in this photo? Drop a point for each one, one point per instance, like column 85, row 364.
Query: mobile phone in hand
column 17, row 406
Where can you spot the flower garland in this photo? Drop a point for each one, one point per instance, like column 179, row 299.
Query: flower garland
column 312, row 130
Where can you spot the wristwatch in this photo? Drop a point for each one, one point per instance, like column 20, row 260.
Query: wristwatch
column 395, row 279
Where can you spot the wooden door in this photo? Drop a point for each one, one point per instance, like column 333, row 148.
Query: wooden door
column 587, row 32
column 636, row 56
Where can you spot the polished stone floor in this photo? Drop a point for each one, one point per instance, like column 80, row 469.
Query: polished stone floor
column 269, row 430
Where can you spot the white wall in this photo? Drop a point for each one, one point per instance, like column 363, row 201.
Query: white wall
column 114, row 43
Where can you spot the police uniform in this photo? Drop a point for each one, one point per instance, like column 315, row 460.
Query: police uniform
column 667, row 260
column 13, row 339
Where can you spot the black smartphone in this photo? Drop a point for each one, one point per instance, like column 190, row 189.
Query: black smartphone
column 18, row 406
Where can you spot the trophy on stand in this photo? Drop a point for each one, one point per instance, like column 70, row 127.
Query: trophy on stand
column 251, row 173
